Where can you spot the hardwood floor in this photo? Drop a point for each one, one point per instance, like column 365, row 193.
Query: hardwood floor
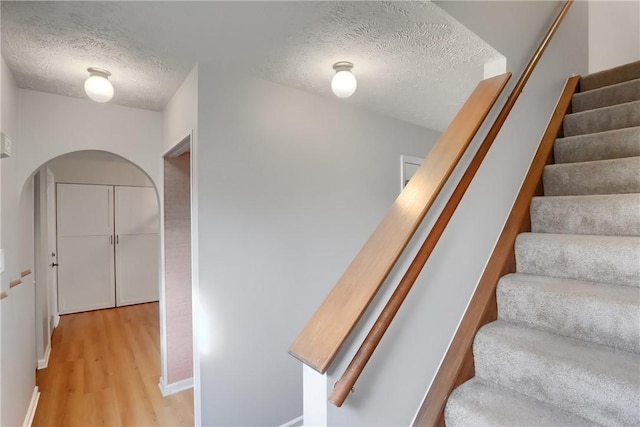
column 104, row 370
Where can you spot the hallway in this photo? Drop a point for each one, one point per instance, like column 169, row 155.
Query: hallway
column 104, row 369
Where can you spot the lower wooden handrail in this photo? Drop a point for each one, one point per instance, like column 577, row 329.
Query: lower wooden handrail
column 345, row 383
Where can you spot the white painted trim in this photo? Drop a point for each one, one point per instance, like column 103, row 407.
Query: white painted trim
column 56, row 320
column 294, row 422
column 44, row 362
column 31, row 411
column 315, row 397
column 195, row 281
column 177, row 387
column 408, row 160
column 162, row 305
column 180, row 148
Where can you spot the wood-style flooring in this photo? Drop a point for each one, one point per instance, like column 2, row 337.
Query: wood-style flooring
column 104, row 370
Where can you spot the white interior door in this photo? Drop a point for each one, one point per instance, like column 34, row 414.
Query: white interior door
column 51, row 242
column 137, row 245
column 85, row 247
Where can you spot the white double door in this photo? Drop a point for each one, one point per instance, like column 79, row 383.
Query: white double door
column 108, row 246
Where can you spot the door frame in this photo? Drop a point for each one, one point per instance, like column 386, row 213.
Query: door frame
column 186, row 144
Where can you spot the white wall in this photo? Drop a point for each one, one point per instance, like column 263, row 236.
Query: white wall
column 290, row 186
column 54, row 125
column 98, row 171
column 614, row 33
column 180, row 116
column 17, row 325
column 399, row 374
column 46, row 127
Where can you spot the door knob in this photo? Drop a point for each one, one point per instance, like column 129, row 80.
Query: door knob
column 54, row 264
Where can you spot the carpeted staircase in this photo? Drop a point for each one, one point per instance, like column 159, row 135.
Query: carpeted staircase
column 565, row 349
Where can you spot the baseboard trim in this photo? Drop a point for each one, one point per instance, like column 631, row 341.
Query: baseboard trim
column 31, row 411
column 44, row 362
column 178, row 386
column 294, row 422
column 56, row 320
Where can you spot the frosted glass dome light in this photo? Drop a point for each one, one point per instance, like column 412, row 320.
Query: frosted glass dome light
column 97, row 86
column 343, row 83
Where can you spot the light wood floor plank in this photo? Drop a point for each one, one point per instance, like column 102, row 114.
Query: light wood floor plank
column 104, row 370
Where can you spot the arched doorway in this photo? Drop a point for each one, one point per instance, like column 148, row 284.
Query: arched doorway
column 116, row 350
column 87, row 170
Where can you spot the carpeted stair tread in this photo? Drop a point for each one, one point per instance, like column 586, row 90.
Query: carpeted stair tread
column 606, row 259
column 595, row 382
column 604, row 214
column 602, row 119
column 482, row 403
column 596, row 312
column 613, row 144
column 565, row 349
column 613, row 176
column 612, row 76
column 606, row 96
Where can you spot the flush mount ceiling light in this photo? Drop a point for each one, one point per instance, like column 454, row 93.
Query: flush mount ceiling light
column 343, row 83
column 97, row 86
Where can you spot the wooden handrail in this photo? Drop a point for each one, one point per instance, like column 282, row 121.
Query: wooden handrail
column 3, row 295
column 25, row 273
column 320, row 340
column 14, row 283
column 457, row 365
column 362, row 356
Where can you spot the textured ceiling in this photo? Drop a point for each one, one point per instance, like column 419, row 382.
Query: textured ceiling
column 412, row 60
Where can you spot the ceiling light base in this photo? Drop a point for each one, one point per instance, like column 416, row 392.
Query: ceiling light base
column 343, row 83
column 97, row 86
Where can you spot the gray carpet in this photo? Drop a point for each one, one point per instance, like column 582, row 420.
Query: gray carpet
column 565, row 349
column 614, row 144
column 616, row 75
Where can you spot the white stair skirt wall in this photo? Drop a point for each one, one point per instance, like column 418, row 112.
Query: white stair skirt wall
column 137, row 245
column 85, row 250
column 100, row 268
column 296, row 422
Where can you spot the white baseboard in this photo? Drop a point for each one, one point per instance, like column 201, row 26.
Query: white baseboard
column 168, row 389
column 44, row 362
column 31, row 412
column 294, row 422
column 56, row 320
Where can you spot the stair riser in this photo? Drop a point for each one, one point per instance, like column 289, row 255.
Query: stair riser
column 613, row 76
column 586, row 314
column 602, row 119
column 614, row 144
column 613, row 260
column 610, row 215
column 619, row 176
column 481, row 403
column 607, row 96
column 551, row 378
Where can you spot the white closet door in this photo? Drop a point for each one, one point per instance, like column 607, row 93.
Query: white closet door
column 137, row 245
column 85, row 247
